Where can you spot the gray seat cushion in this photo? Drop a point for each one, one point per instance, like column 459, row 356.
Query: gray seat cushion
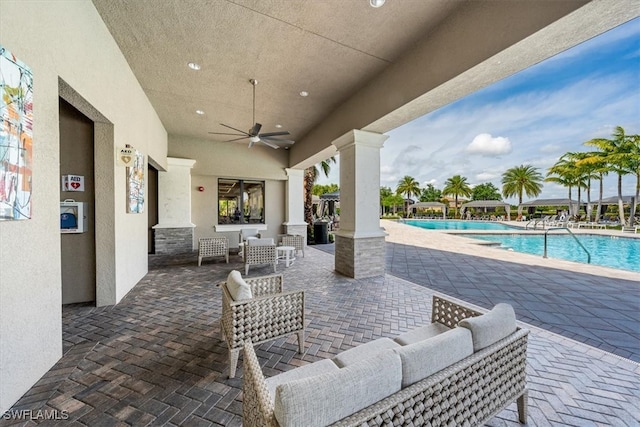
column 362, row 351
column 421, row 333
column 491, row 327
column 324, row 399
column 311, row 370
column 424, row 358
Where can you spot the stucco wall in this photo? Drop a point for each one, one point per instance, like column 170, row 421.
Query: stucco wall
column 67, row 40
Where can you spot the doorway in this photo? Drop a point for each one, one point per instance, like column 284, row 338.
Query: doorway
column 78, row 249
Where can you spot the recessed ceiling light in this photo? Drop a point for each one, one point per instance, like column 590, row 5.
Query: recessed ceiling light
column 193, row 66
column 376, row 3
column 200, row 112
column 278, row 126
column 304, row 93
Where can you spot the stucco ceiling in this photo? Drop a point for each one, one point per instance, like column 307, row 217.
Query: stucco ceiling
column 351, row 58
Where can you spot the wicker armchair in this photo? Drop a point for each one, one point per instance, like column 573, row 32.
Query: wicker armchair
column 258, row 252
column 269, row 315
column 213, row 246
column 296, row 241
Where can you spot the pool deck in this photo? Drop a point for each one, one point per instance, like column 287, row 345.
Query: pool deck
column 591, row 304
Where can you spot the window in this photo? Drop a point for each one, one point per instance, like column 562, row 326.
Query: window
column 240, row 201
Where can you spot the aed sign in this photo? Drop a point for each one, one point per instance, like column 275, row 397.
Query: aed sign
column 125, row 156
column 72, row 183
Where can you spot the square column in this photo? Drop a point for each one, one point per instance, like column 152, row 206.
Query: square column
column 360, row 249
column 174, row 231
column 294, row 208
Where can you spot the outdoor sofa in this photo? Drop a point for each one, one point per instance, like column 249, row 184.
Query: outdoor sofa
column 462, row 369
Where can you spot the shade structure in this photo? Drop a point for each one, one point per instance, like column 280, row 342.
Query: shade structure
column 613, row 200
column 570, row 203
column 327, row 203
column 487, row 204
column 429, row 205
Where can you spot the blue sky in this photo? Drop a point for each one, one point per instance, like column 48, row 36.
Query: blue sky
column 532, row 117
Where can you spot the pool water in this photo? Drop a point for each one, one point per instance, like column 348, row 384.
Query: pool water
column 431, row 224
column 608, row 251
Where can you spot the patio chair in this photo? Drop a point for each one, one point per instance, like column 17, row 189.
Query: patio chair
column 266, row 313
column 260, row 251
column 213, row 246
column 295, row 240
column 247, row 234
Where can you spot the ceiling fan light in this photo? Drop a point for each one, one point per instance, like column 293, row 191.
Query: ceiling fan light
column 254, row 139
column 376, row 3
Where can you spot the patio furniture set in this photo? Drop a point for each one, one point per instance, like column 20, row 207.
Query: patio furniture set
column 254, row 249
column 462, row 369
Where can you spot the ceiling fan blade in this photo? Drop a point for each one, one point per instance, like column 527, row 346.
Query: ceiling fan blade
column 237, row 130
column 284, row 141
column 255, row 129
column 237, row 139
column 270, row 144
column 268, row 134
column 222, row 133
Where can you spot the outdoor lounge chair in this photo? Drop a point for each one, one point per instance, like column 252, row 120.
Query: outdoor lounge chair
column 268, row 313
column 296, row 241
column 213, row 246
column 258, row 252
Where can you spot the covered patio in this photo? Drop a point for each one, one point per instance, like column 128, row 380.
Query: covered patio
column 157, row 357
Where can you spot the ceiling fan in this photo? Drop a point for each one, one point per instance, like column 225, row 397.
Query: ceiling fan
column 254, row 134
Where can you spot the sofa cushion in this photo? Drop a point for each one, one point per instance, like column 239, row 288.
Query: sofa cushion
column 424, row 358
column 238, row 288
column 362, row 351
column 311, row 370
column 421, row 333
column 491, row 327
column 324, row 399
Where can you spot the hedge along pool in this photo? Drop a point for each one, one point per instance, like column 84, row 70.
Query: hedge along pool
column 608, row 251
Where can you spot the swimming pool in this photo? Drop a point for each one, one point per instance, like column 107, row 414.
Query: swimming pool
column 608, row 251
column 431, row 224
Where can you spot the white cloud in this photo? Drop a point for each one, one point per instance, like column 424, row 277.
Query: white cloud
column 486, row 176
column 487, row 145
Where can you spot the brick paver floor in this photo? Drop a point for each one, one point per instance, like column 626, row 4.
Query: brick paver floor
column 157, row 357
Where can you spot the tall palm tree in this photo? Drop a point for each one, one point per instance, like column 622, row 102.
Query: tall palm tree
column 587, row 171
column 621, row 157
column 566, row 173
column 457, row 186
column 408, row 186
column 310, row 177
column 519, row 180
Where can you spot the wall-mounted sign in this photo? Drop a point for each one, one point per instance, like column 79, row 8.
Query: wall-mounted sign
column 125, row 156
column 72, row 183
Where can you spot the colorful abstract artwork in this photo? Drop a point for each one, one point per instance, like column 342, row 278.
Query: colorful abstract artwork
column 135, row 184
column 16, row 137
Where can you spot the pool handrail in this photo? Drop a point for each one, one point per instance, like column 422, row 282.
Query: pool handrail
column 572, row 235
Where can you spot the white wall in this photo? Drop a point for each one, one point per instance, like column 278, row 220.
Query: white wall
column 231, row 160
column 65, row 39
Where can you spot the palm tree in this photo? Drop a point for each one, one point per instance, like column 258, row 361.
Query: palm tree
column 587, row 171
column 622, row 156
column 566, row 173
column 409, row 187
column 457, row 186
column 521, row 179
column 310, row 176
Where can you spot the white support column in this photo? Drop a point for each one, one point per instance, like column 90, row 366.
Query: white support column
column 174, row 231
column 294, row 209
column 360, row 248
